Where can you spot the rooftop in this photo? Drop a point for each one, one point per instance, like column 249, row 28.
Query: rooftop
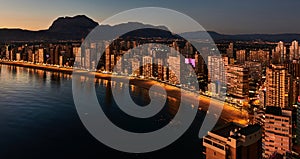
column 225, row 130
column 274, row 110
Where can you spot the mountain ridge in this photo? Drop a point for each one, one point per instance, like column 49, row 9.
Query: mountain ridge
column 79, row 26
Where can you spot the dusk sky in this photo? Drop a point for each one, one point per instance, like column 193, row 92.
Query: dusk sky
column 223, row 16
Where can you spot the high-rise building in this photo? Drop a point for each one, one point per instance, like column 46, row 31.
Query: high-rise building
column 78, row 56
column 119, row 65
column 18, row 56
column 135, row 65
column 7, row 52
column 30, row 55
column 230, row 50
column 199, row 64
column 107, row 58
column 234, row 141
column 298, row 120
column 279, row 54
column 237, row 81
column 160, row 69
column 294, row 51
column 61, row 60
column 56, row 55
column 216, row 69
column 294, row 68
column 241, row 56
column 261, row 56
column 87, row 59
column 174, row 69
column 277, row 86
column 277, row 131
column 294, row 92
column 147, row 66
column 112, row 62
column 41, row 55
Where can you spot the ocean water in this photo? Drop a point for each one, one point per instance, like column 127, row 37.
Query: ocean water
column 38, row 119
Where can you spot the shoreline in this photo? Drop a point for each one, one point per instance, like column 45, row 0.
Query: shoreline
column 229, row 113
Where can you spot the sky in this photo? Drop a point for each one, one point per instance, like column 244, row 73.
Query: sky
column 223, row 16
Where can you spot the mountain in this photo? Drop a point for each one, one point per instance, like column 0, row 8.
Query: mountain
column 63, row 28
column 242, row 37
column 78, row 27
column 72, row 25
column 131, row 30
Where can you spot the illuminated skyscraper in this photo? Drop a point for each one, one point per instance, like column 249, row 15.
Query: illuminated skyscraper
column 119, row 65
column 78, row 56
column 277, row 85
column 298, row 120
column 7, row 52
column 107, row 58
column 147, row 66
column 41, row 55
column 294, row 51
column 237, row 81
column 279, row 54
column 30, row 55
column 174, row 69
column 160, row 69
column 241, row 56
column 87, row 59
column 216, row 69
column 135, row 64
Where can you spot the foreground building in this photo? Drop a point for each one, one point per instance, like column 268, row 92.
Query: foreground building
column 277, row 131
column 234, row 141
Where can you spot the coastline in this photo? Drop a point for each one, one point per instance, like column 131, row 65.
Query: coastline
column 229, row 113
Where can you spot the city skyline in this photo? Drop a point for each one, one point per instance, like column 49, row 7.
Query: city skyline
column 218, row 16
column 165, row 85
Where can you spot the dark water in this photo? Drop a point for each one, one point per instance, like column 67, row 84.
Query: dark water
column 38, row 119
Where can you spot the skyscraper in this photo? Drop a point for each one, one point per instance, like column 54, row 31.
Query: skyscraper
column 87, row 59
column 294, row 51
column 41, row 55
column 147, row 66
column 241, row 56
column 78, row 56
column 237, row 81
column 135, row 65
column 277, row 86
column 216, row 69
column 298, row 120
column 6, row 52
column 107, row 58
column 279, row 53
column 174, row 69
column 230, row 50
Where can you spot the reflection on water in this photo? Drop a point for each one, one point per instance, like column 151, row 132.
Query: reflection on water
column 38, row 118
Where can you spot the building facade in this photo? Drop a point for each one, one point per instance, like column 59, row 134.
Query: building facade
column 234, row 141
